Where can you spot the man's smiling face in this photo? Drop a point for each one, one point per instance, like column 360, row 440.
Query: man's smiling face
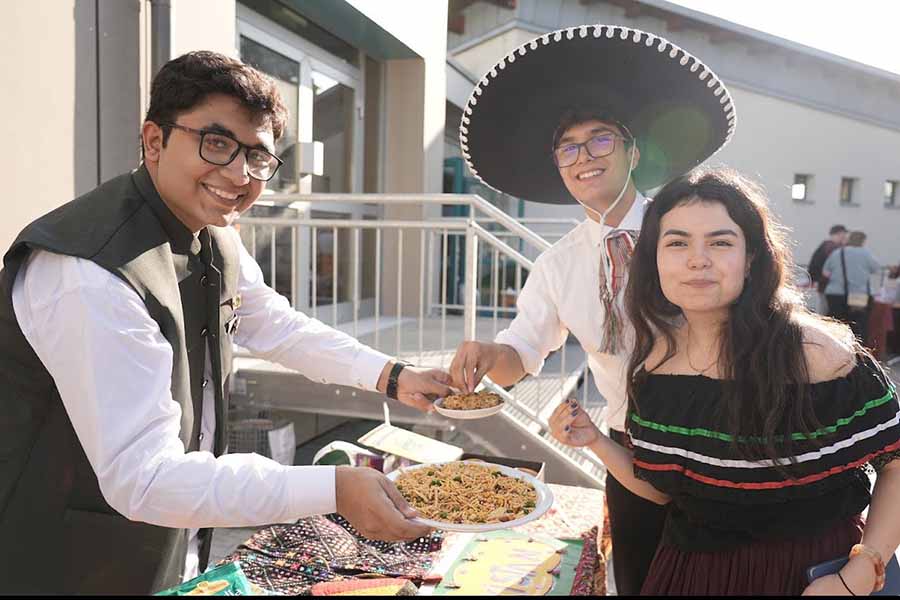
column 197, row 192
column 595, row 182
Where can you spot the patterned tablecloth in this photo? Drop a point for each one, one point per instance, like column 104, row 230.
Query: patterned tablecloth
column 290, row 559
column 577, row 512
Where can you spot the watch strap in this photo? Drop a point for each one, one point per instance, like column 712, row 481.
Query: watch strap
column 393, row 378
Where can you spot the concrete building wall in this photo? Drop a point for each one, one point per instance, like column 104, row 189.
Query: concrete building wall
column 414, row 111
column 776, row 139
column 39, row 109
column 123, row 50
column 422, row 26
column 76, row 99
column 479, row 59
column 72, row 102
column 479, row 19
column 203, row 25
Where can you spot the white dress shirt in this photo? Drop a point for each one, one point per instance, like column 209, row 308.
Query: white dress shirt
column 562, row 295
column 113, row 369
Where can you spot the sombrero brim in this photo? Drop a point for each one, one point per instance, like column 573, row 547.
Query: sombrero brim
column 676, row 107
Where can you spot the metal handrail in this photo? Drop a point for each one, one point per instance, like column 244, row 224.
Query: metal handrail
column 472, row 200
column 471, row 231
column 502, row 246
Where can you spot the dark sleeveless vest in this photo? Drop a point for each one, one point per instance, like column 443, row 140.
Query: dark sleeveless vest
column 57, row 533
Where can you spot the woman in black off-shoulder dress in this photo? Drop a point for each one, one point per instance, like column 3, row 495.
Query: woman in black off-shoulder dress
column 757, row 423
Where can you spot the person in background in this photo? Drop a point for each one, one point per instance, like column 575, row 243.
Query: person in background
column 848, row 292
column 751, row 419
column 837, row 237
column 881, row 317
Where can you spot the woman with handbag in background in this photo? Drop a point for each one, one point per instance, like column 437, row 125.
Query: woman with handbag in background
column 848, row 292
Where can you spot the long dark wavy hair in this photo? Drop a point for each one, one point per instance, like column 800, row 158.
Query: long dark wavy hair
column 762, row 363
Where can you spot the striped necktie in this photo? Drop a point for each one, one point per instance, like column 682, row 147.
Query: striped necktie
column 614, row 260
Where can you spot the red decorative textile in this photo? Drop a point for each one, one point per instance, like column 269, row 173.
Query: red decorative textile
column 881, row 323
column 588, row 563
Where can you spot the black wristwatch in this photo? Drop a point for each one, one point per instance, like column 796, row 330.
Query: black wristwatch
column 391, row 391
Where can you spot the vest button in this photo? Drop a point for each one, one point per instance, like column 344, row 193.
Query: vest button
column 203, row 280
column 205, row 382
column 203, row 332
column 200, row 438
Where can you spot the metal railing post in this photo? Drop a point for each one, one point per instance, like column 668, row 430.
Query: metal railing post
column 470, row 302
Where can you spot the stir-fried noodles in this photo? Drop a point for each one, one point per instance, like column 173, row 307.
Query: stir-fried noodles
column 472, row 401
column 467, row 493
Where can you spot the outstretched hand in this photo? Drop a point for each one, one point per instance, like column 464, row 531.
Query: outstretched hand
column 373, row 505
column 419, row 387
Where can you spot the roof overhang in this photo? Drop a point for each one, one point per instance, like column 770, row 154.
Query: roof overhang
column 345, row 21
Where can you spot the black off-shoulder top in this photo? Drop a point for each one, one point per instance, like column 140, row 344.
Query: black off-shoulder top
column 720, row 499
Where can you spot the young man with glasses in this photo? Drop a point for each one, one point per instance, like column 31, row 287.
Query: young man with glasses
column 589, row 114
column 117, row 316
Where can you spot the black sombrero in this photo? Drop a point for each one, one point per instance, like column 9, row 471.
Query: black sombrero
column 676, row 107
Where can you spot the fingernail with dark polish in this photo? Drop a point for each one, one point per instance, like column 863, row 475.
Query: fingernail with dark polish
column 574, row 412
column 566, row 428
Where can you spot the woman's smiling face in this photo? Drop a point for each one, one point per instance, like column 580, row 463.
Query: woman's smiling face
column 701, row 256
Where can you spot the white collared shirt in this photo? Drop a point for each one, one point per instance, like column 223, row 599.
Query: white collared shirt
column 113, row 369
column 562, row 295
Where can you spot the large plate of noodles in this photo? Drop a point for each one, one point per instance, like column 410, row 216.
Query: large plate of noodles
column 477, row 405
column 472, row 496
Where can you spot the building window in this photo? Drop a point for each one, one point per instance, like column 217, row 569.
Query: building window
column 800, row 189
column 890, row 193
column 847, row 185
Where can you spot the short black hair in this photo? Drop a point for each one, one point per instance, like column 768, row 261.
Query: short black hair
column 573, row 116
column 186, row 81
column 837, row 229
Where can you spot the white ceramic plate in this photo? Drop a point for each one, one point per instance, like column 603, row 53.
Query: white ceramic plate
column 542, row 505
column 478, row 413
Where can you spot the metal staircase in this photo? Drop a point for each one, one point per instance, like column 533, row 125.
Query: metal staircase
column 410, row 313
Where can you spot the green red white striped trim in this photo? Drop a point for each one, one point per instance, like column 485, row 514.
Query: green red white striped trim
column 765, row 485
column 726, row 437
column 767, row 463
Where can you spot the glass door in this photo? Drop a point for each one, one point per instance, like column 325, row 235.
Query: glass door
column 324, row 96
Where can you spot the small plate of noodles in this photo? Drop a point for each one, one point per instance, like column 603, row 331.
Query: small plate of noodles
column 472, row 496
column 476, row 405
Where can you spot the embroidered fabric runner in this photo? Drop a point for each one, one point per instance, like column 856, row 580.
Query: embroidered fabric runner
column 290, row 559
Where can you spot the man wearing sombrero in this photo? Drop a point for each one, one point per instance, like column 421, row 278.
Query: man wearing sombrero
column 589, row 114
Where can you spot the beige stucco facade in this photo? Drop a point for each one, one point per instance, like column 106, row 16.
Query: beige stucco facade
column 203, row 25
column 39, row 110
column 776, row 139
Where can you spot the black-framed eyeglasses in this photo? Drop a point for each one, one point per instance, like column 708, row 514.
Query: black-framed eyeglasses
column 566, row 155
column 220, row 149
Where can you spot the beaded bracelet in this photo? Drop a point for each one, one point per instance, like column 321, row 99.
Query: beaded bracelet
column 877, row 563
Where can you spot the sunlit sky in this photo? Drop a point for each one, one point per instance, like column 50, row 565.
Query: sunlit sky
column 861, row 30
